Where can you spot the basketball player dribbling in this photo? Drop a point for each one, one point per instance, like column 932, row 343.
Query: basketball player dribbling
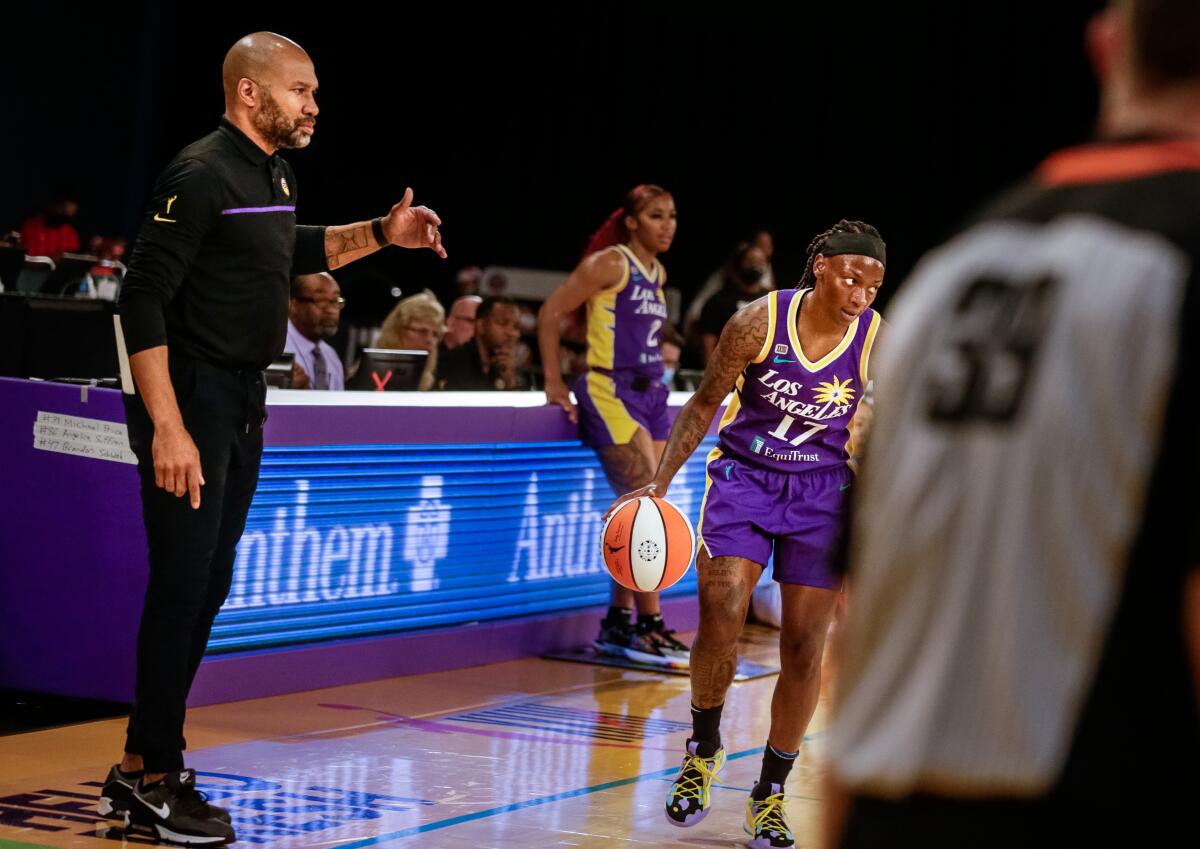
column 622, row 411
column 797, row 361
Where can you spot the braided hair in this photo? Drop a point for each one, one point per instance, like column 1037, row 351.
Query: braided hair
column 807, row 281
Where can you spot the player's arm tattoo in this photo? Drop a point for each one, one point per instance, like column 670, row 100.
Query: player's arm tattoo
column 348, row 242
column 741, row 341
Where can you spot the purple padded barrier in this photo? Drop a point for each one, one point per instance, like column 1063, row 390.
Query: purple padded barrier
column 73, row 555
column 72, row 552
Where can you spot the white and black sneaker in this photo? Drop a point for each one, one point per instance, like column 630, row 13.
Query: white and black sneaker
column 174, row 810
column 117, row 794
column 655, row 633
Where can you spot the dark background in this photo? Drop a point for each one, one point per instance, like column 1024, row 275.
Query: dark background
column 523, row 126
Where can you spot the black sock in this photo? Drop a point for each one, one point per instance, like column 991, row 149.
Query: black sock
column 706, row 730
column 137, row 773
column 775, row 768
column 616, row 615
column 648, row 621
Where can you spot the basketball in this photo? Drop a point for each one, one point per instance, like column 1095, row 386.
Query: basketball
column 648, row 544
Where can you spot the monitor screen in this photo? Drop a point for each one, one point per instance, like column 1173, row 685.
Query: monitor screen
column 279, row 372
column 385, row 370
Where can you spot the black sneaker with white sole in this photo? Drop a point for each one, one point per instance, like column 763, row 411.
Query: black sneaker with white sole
column 174, row 810
column 616, row 635
column 663, row 639
column 117, row 794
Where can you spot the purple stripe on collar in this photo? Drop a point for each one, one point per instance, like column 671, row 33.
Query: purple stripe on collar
column 246, row 209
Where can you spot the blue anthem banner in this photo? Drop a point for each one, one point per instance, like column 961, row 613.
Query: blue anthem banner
column 350, row 541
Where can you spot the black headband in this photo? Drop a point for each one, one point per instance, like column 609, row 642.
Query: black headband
column 863, row 244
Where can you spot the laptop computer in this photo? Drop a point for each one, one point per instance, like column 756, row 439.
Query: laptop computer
column 388, row 370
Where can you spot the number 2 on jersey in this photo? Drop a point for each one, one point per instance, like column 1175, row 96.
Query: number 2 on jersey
column 652, row 336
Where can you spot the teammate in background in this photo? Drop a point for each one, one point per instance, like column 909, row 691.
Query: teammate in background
column 622, row 411
column 1020, row 663
column 797, row 361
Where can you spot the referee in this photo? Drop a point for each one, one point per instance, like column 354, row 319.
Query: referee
column 204, row 310
column 1022, row 648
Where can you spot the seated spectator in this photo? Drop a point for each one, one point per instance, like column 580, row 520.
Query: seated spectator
column 460, row 323
column 416, row 324
column 671, row 346
column 744, row 275
column 50, row 233
column 313, row 314
column 489, row 361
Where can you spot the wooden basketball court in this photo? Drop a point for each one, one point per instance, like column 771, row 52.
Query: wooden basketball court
column 530, row 753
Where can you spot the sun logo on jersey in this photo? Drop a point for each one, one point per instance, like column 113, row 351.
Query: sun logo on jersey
column 837, row 392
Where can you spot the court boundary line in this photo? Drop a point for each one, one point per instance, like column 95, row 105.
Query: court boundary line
column 437, row 825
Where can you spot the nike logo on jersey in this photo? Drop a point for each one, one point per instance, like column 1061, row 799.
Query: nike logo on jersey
column 843, row 487
column 782, row 360
column 159, row 217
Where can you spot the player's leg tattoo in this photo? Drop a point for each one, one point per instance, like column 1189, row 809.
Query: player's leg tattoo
column 725, row 587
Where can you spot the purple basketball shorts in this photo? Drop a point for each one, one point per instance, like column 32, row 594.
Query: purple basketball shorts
column 748, row 511
column 613, row 405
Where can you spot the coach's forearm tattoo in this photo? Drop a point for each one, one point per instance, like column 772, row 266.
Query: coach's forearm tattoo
column 347, row 243
column 740, row 342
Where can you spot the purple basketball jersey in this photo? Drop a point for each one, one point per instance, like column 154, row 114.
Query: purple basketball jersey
column 625, row 322
column 792, row 415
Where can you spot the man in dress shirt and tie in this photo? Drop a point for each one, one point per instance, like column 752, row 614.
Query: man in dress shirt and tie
column 313, row 313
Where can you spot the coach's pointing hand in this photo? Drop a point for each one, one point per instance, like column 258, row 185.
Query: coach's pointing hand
column 413, row 226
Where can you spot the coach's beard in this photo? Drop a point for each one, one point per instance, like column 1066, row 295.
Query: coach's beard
column 276, row 128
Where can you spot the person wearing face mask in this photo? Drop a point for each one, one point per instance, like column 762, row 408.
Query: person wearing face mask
column 671, row 345
column 745, row 280
column 51, row 233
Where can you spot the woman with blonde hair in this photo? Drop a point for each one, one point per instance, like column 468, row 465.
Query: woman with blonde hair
column 416, row 323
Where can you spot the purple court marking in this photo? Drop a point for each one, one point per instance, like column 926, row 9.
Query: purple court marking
column 246, row 209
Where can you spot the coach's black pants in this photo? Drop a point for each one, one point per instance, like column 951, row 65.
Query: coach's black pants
column 191, row 551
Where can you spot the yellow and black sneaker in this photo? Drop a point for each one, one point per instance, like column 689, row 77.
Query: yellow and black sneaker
column 764, row 819
column 688, row 799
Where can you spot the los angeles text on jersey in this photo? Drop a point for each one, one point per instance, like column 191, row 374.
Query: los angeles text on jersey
column 648, row 302
column 782, row 395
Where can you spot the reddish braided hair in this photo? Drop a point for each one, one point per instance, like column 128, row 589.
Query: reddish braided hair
column 613, row 231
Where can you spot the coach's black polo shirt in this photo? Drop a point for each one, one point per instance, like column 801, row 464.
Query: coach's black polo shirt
column 210, row 272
